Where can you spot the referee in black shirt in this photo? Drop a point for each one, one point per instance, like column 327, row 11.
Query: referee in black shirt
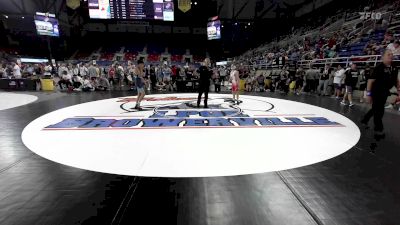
column 204, row 82
column 382, row 79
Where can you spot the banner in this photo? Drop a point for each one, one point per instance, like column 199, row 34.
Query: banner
column 184, row 5
column 73, row 4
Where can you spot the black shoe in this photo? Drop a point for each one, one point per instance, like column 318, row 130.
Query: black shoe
column 379, row 135
column 206, row 107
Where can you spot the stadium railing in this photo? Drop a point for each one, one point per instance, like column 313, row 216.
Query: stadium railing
column 370, row 59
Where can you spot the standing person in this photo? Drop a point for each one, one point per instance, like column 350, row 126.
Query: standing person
column 382, row 79
column 299, row 77
column 350, row 81
column 47, row 70
column 61, row 70
column 75, row 70
column 92, row 71
column 119, row 72
column 153, row 77
column 16, row 69
column 138, row 73
column 222, row 73
column 174, row 74
column 310, row 76
column 217, row 81
column 234, row 79
column 83, row 70
column 111, row 76
column 338, row 80
column 365, row 74
column 204, row 82
column 2, row 72
column 166, row 70
column 324, row 81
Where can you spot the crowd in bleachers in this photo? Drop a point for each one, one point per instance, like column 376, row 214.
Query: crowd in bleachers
column 343, row 38
column 94, row 77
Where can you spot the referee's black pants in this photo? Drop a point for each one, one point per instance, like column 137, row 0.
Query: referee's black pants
column 203, row 89
column 377, row 111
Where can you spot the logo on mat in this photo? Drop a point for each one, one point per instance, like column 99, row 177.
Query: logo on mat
column 181, row 112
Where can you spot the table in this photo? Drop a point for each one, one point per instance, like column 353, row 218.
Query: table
column 18, row 84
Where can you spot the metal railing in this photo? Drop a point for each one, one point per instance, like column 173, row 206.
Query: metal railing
column 345, row 61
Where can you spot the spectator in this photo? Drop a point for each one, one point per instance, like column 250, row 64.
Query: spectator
column 83, row 70
column 16, row 70
column 394, row 47
column 77, row 82
column 248, row 84
column 65, row 80
column 102, row 84
column 261, row 82
column 87, row 85
column 338, row 81
column 324, row 80
column 93, row 71
column 350, row 81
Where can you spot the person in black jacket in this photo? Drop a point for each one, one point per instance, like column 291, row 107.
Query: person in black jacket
column 381, row 80
column 204, row 82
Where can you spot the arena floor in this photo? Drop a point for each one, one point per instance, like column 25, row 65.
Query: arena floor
column 360, row 186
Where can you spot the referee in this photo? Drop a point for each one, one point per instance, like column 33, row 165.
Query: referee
column 382, row 79
column 204, row 82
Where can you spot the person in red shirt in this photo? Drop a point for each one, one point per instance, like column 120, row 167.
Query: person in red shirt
column 111, row 75
column 173, row 75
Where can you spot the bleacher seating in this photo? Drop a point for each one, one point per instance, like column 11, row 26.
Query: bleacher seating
column 353, row 37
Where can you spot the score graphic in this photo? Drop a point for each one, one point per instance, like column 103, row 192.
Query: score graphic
column 47, row 24
column 132, row 9
column 214, row 28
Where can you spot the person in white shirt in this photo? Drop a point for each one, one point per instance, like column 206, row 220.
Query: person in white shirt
column 77, row 82
column 338, row 80
column 222, row 74
column 120, row 75
column 394, row 47
column 70, row 70
column 75, row 70
column 3, row 73
column 47, row 70
column 16, row 71
column 61, row 70
column 83, row 70
column 87, row 85
column 65, row 80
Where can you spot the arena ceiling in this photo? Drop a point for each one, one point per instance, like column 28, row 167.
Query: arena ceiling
column 228, row 9
column 265, row 9
column 30, row 7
